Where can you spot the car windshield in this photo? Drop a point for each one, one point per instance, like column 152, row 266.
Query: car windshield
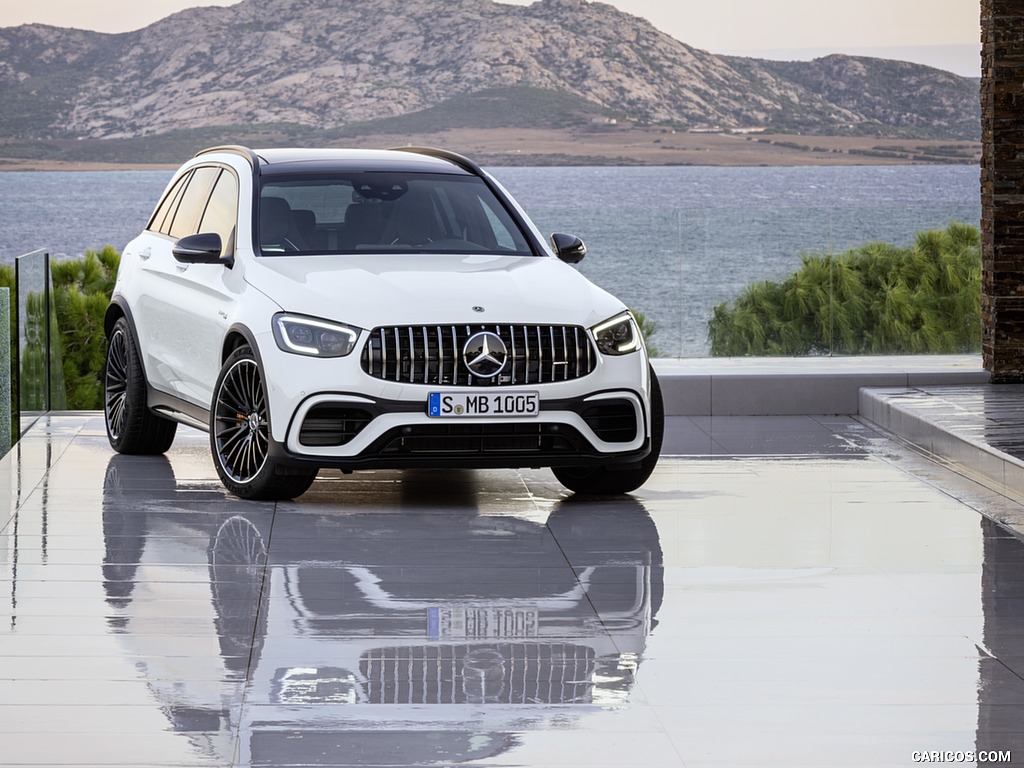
column 345, row 213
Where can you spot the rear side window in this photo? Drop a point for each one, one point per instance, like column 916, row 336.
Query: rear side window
column 161, row 221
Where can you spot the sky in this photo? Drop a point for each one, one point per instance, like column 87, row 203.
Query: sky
column 941, row 33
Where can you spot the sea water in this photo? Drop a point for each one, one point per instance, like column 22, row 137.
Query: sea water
column 671, row 242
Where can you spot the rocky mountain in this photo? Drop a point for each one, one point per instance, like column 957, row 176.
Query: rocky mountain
column 892, row 93
column 322, row 65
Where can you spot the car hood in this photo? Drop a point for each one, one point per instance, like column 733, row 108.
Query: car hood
column 428, row 288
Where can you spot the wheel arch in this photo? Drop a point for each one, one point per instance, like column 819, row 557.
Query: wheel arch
column 270, row 480
column 237, row 336
column 136, row 428
column 117, row 309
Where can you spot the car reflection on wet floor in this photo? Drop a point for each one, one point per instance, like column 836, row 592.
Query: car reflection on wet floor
column 346, row 612
column 843, row 602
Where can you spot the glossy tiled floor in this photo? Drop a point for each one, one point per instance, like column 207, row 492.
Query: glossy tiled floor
column 783, row 592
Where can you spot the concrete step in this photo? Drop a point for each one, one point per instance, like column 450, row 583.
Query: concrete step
column 788, row 386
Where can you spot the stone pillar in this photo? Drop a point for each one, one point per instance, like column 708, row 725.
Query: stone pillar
column 1002, row 188
column 6, row 366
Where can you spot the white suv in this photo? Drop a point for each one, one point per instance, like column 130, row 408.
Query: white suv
column 365, row 309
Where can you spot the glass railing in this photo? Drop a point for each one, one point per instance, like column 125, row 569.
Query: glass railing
column 683, row 267
column 40, row 381
column 750, row 281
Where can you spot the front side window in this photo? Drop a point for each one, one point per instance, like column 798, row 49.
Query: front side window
column 222, row 211
column 193, row 202
column 384, row 212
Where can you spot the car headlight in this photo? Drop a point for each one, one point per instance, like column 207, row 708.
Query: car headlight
column 618, row 336
column 317, row 338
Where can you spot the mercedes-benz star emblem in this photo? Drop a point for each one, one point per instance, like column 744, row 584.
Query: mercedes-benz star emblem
column 485, row 354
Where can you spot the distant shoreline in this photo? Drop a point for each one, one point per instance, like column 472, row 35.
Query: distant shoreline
column 618, row 146
column 15, row 165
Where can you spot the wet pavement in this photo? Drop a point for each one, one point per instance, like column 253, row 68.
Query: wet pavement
column 975, row 430
column 797, row 591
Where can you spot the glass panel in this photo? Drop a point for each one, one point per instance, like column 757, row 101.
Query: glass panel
column 635, row 255
column 678, row 267
column 346, row 213
column 840, row 281
column 161, row 221
column 40, row 374
column 193, row 202
column 222, row 211
column 57, row 391
column 33, row 342
column 728, row 256
column 695, row 237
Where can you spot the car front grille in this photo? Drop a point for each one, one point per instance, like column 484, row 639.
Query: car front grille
column 555, row 673
column 433, row 354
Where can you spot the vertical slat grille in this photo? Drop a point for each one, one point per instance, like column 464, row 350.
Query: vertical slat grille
column 432, row 355
column 398, row 355
column 556, row 673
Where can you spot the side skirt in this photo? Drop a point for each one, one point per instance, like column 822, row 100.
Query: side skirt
column 174, row 408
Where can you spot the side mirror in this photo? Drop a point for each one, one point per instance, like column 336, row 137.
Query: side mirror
column 203, row 248
column 568, row 248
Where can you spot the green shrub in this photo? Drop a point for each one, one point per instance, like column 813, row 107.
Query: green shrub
column 648, row 328
column 81, row 292
column 874, row 299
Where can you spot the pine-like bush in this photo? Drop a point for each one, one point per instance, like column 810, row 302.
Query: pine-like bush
column 81, row 292
column 874, row 299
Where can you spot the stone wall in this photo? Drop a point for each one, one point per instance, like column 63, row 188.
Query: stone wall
column 1002, row 188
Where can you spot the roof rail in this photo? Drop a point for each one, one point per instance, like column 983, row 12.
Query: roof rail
column 443, row 154
column 237, row 149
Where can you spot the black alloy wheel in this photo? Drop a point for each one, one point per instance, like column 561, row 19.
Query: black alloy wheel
column 241, row 429
column 240, row 435
column 131, row 427
column 612, row 480
column 115, row 394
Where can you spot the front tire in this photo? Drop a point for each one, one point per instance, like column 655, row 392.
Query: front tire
column 609, row 479
column 131, row 427
column 240, row 435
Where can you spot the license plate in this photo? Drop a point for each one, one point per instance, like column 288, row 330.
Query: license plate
column 454, row 405
column 454, row 623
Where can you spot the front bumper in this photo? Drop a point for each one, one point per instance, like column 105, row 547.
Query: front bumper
column 399, row 434
column 601, row 418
